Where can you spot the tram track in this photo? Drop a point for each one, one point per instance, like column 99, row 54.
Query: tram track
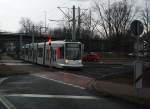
column 99, row 72
column 95, row 70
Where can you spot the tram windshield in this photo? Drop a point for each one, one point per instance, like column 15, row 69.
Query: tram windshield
column 73, row 51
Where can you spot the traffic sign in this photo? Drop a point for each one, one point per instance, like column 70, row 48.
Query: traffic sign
column 137, row 27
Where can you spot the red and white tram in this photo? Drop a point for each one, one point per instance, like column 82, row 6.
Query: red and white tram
column 58, row 54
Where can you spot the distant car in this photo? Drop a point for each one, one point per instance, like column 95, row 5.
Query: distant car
column 91, row 57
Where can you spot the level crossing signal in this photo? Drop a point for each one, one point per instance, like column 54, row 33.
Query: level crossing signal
column 49, row 40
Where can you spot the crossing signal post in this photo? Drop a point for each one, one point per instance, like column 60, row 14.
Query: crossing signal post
column 137, row 29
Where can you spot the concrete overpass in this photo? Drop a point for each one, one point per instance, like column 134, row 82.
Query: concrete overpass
column 13, row 41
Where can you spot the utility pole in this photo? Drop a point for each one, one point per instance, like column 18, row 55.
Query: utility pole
column 79, row 22
column 45, row 21
column 74, row 26
column 73, row 20
column 33, row 27
column 90, row 30
column 20, row 48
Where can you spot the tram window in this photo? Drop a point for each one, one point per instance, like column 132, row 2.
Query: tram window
column 35, row 53
column 40, row 52
column 62, row 52
column 30, row 52
column 22, row 51
column 73, row 51
column 26, row 51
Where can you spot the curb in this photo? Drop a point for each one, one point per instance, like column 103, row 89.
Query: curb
column 2, row 80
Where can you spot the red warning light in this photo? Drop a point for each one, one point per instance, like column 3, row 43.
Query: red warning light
column 49, row 40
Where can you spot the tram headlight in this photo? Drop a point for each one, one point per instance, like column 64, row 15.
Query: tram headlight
column 66, row 61
column 80, row 61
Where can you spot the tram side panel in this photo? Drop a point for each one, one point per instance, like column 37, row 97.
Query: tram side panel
column 47, row 57
column 30, row 53
column 40, row 54
column 26, row 52
column 22, row 53
column 35, row 53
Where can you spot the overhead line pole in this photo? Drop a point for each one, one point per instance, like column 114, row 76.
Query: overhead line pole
column 79, row 22
column 33, row 34
column 73, row 20
column 45, row 21
column 74, row 26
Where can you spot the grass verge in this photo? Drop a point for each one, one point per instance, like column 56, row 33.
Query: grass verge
column 9, row 71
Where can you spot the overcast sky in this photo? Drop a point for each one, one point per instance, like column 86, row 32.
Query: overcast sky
column 11, row 11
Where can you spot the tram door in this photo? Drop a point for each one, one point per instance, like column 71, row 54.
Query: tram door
column 53, row 56
column 57, row 55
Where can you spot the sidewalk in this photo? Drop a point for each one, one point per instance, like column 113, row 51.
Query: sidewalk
column 123, row 91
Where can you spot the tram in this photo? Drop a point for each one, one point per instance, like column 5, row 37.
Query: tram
column 59, row 54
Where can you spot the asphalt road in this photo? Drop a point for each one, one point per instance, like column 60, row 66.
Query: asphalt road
column 32, row 92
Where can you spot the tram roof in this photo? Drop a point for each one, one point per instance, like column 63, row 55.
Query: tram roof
column 53, row 42
column 62, row 42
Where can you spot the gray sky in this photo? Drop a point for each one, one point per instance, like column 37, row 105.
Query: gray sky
column 11, row 11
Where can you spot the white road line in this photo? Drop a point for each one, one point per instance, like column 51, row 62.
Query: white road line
column 7, row 103
column 75, row 75
column 59, row 81
column 52, row 96
column 15, row 64
column 19, row 83
column 11, row 61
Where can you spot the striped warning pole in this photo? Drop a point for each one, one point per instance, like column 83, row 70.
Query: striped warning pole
column 138, row 75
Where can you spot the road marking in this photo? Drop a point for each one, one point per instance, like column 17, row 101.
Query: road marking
column 7, row 103
column 52, row 96
column 15, row 64
column 19, row 83
column 80, row 76
column 59, row 81
column 14, row 61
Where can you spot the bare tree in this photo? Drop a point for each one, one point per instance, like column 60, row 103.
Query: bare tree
column 89, row 23
column 100, row 9
column 116, row 17
column 26, row 25
column 114, row 22
column 145, row 15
